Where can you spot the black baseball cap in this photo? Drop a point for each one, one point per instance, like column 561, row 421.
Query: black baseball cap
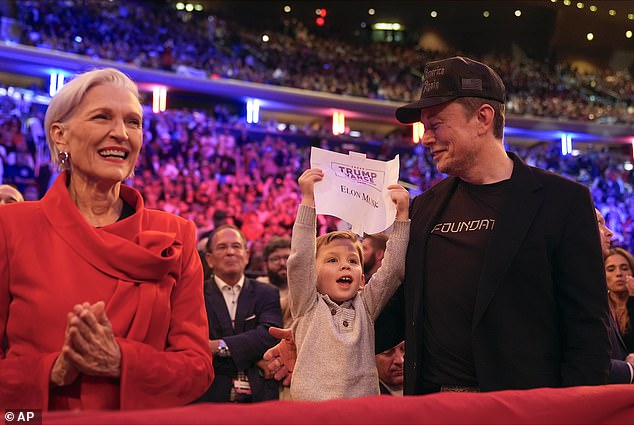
column 448, row 79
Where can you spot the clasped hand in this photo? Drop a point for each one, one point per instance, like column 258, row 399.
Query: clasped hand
column 89, row 346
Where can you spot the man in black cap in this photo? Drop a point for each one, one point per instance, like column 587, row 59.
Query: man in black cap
column 504, row 278
column 504, row 283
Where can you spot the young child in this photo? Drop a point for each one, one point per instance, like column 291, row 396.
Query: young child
column 333, row 319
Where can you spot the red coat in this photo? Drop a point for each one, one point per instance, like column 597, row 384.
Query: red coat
column 145, row 267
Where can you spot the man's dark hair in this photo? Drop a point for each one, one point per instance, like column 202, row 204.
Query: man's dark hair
column 378, row 240
column 471, row 104
column 275, row 243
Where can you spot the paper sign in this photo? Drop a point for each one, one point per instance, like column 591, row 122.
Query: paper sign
column 354, row 189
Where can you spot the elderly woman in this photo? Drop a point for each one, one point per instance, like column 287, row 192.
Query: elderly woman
column 101, row 300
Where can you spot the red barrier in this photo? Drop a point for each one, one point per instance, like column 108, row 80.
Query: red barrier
column 613, row 404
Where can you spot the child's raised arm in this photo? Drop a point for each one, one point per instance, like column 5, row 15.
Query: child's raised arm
column 301, row 270
column 307, row 185
column 389, row 276
column 400, row 197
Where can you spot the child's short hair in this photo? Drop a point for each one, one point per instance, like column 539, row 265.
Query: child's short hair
column 324, row 240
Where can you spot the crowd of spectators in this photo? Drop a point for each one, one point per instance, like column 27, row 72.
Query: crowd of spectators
column 212, row 169
column 154, row 36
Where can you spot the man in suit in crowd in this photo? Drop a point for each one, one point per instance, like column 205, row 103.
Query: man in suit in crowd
column 504, row 285
column 240, row 311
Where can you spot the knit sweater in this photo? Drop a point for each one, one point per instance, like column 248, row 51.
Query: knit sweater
column 335, row 343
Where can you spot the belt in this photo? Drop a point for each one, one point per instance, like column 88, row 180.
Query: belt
column 458, row 389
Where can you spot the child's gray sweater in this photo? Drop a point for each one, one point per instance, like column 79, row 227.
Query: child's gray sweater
column 335, row 343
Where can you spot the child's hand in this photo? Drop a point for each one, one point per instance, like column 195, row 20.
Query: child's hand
column 307, row 185
column 400, row 197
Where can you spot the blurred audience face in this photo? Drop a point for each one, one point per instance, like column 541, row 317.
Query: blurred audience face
column 372, row 254
column 276, row 266
column 228, row 256
column 104, row 134
column 605, row 233
column 9, row 195
column 617, row 268
column 390, row 366
column 369, row 255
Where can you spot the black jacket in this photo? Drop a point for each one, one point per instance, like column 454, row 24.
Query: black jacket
column 541, row 312
column 258, row 309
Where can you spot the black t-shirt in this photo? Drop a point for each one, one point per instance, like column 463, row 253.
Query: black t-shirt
column 126, row 211
column 455, row 253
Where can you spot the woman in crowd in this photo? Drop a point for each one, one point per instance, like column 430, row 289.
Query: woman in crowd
column 101, row 300
column 619, row 265
column 9, row 194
